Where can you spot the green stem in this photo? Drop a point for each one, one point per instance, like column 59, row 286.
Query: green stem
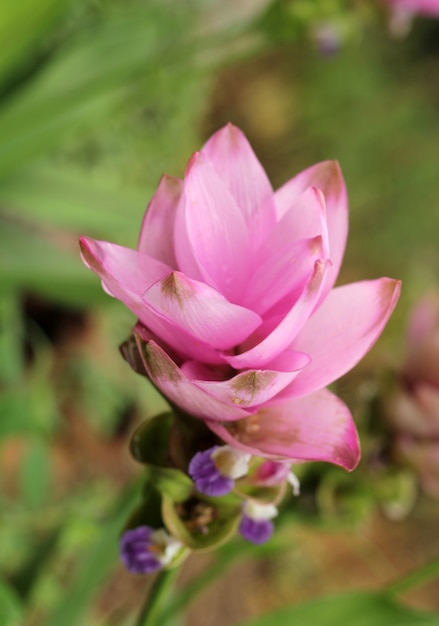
column 414, row 579
column 154, row 603
column 225, row 558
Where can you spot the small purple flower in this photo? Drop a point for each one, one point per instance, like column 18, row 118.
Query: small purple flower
column 144, row 550
column 256, row 531
column 256, row 525
column 135, row 551
column 327, row 37
column 215, row 470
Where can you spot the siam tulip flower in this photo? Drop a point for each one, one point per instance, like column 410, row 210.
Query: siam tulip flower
column 239, row 321
column 413, row 407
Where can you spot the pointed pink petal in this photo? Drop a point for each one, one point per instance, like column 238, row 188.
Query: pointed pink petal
column 124, row 272
column 181, row 391
column 241, row 172
column 342, row 330
column 202, row 311
column 157, row 232
column 277, row 341
column 215, row 229
column 305, row 218
column 253, row 387
column 327, row 177
column 318, row 427
column 286, row 272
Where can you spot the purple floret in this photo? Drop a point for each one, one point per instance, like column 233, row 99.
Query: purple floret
column 206, row 476
column 256, row 531
column 135, row 551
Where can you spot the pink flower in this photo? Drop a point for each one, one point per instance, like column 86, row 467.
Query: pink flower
column 413, row 7
column 239, row 323
column 413, row 407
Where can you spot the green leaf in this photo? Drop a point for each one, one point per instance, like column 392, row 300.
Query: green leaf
column 10, row 606
column 73, row 201
column 35, row 474
column 45, row 261
column 359, row 608
column 89, row 76
column 22, row 24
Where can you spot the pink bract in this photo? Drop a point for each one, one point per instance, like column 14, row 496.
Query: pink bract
column 239, row 321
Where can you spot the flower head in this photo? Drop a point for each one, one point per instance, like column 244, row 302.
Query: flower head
column 239, row 321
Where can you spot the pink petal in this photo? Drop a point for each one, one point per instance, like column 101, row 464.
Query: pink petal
column 305, row 218
column 241, row 172
column 284, row 273
column 201, row 311
column 125, row 273
column 178, row 389
column 213, row 231
column 157, row 232
column 327, row 177
column 277, row 341
column 342, row 330
column 318, row 427
column 253, row 387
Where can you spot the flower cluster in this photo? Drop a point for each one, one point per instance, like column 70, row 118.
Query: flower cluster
column 241, row 329
column 413, row 406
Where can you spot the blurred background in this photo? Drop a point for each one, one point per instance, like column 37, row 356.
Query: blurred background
column 97, row 99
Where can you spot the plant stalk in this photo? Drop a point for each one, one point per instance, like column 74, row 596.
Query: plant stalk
column 156, row 599
column 416, row 578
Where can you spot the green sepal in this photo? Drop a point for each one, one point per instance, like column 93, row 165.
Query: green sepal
column 201, row 523
column 170, row 482
column 150, row 442
column 148, row 512
column 263, row 495
column 188, row 436
column 131, row 354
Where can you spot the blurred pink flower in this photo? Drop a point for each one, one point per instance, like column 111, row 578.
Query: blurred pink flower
column 414, row 7
column 403, row 12
column 413, row 408
column 239, row 323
